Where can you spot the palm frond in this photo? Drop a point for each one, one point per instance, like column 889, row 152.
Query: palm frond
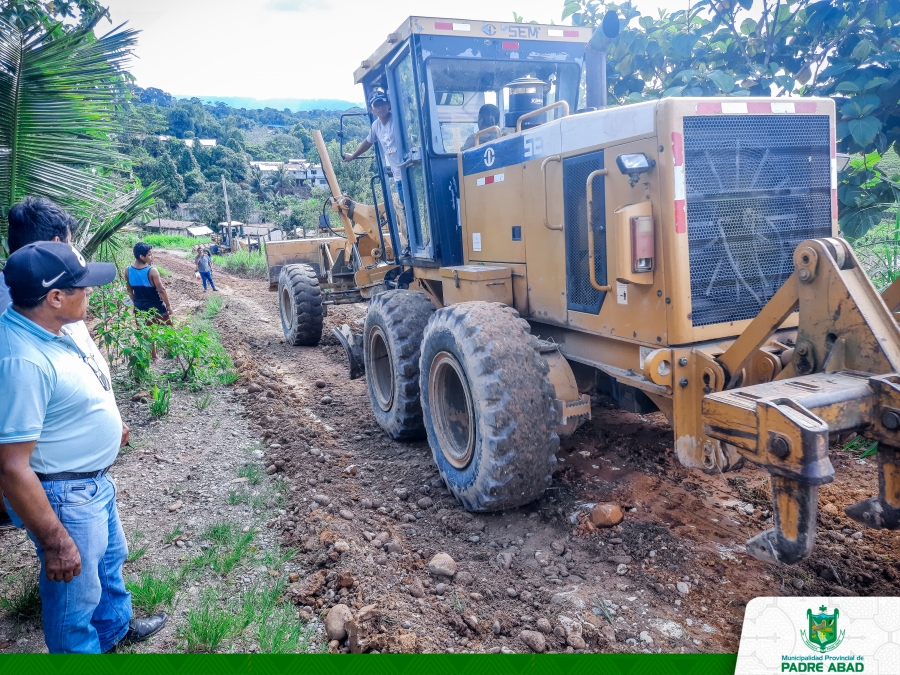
column 60, row 105
column 122, row 211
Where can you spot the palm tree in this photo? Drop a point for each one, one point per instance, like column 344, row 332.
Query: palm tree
column 60, row 98
column 258, row 185
column 282, row 180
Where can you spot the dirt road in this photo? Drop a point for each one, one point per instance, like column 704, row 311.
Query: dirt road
column 367, row 514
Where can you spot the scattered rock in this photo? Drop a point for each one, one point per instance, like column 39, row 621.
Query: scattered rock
column 345, row 579
column 606, row 515
column 302, row 592
column 576, row 642
column 645, row 637
column 424, row 503
column 544, row 626
column 345, row 514
column 322, row 500
column 534, row 640
column 352, row 470
column 442, row 565
column 403, row 493
column 144, row 396
column 393, row 547
column 175, row 506
column 464, row 578
column 415, row 588
column 683, row 587
column 620, row 559
column 622, row 569
column 341, row 546
column 504, row 558
column 496, row 627
column 440, row 589
column 797, row 583
column 320, row 384
column 512, row 592
column 271, row 469
column 336, row 622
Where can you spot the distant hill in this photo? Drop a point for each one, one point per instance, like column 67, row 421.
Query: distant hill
column 294, row 104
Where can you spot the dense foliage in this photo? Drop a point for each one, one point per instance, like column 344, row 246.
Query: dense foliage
column 848, row 50
column 61, row 95
column 194, row 174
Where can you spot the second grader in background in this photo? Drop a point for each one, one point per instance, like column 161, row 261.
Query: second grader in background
column 145, row 286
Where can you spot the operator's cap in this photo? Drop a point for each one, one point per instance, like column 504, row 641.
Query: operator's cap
column 378, row 96
column 36, row 269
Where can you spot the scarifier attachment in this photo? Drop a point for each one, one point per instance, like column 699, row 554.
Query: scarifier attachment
column 842, row 378
column 353, row 346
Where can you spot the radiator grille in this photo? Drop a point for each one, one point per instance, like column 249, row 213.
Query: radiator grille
column 581, row 296
column 757, row 185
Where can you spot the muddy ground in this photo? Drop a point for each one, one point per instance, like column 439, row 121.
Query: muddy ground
column 366, row 514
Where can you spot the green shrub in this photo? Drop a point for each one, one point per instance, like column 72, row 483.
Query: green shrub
column 162, row 401
column 244, row 263
column 173, row 241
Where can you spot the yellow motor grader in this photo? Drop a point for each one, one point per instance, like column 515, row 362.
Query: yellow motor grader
column 680, row 254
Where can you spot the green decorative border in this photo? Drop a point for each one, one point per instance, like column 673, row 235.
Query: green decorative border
column 368, row 664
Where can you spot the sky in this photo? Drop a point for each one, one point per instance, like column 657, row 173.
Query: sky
column 286, row 48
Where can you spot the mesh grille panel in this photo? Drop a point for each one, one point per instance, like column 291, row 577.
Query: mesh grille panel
column 757, row 185
column 582, row 297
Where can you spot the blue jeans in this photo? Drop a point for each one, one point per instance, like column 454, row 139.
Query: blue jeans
column 207, row 276
column 90, row 614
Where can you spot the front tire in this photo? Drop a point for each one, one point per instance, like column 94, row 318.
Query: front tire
column 488, row 406
column 395, row 322
column 300, row 305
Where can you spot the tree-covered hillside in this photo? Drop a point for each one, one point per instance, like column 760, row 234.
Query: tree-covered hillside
column 194, row 174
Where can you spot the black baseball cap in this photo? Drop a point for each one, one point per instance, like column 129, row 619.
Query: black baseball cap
column 378, row 96
column 36, row 269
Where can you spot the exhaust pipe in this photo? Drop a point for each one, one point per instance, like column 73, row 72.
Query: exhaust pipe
column 595, row 60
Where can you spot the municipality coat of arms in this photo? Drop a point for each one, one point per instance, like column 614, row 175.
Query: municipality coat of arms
column 823, row 635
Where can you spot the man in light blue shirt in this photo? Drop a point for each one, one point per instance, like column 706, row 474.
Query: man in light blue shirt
column 60, row 430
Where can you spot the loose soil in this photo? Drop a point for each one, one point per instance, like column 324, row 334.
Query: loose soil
column 366, row 514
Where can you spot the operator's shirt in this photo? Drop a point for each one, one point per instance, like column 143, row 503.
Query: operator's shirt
column 50, row 394
column 384, row 135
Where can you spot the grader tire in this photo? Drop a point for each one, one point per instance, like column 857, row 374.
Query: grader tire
column 300, row 305
column 392, row 337
column 488, row 406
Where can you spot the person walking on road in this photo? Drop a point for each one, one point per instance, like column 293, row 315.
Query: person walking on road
column 145, row 286
column 60, row 431
column 204, row 267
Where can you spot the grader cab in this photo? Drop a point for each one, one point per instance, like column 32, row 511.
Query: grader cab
column 682, row 254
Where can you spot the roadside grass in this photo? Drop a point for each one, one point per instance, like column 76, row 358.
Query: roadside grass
column 164, row 272
column 244, row 264
column 214, row 305
column 251, row 472
column 235, row 497
column 221, row 533
column 20, row 598
column 169, row 538
column 202, row 403
column 229, row 549
column 135, row 552
column 173, row 241
column 210, row 623
column 161, row 402
column 154, row 589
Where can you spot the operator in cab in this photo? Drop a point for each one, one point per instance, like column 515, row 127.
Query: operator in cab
column 382, row 132
column 488, row 116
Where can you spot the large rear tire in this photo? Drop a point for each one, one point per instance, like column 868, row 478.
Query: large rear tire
column 488, row 407
column 392, row 337
column 300, row 305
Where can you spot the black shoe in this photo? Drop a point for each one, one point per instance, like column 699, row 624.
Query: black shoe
column 6, row 523
column 142, row 629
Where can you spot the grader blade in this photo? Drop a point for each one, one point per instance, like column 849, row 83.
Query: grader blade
column 353, row 347
column 843, row 377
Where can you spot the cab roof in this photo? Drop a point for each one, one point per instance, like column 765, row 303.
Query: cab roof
column 498, row 30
